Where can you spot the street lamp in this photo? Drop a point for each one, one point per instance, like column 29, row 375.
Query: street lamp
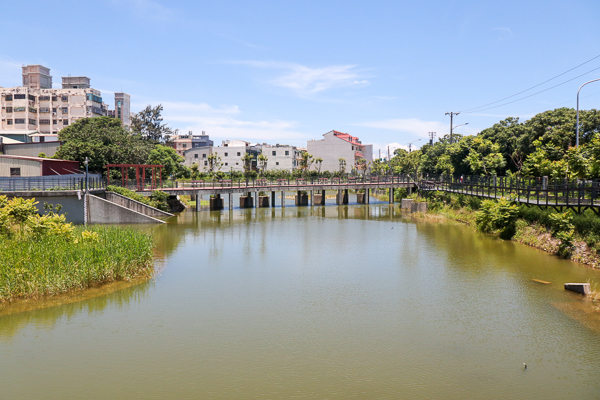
column 577, row 136
column 452, row 128
column 410, row 145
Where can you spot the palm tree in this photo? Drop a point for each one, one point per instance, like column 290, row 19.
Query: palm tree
column 247, row 159
column 342, row 162
column 319, row 162
column 262, row 159
column 306, row 161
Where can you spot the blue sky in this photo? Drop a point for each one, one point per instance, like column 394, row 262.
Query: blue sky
column 290, row 71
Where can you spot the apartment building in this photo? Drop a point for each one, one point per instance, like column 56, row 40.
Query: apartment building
column 336, row 145
column 198, row 155
column 231, row 153
column 280, row 157
column 183, row 143
column 37, row 108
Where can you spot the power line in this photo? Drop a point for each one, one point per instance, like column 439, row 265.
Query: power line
column 536, row 93
column 533, row 87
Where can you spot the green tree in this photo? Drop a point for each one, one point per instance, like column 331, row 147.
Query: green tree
column 262, row 161
column 167, row 156
column 306, row 161
column 103, row 141
column 148, row 123
column 342, row 162
column 247, row 160
column 319, row 162
column 214, row 164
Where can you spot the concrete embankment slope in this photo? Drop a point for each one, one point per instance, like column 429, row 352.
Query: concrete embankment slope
column 103, row 211
column 136, row 205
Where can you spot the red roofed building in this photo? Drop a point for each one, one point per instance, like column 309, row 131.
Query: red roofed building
column 18, row 166
column 336, row 145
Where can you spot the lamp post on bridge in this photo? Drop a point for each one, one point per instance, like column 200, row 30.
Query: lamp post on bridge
column 577, row 126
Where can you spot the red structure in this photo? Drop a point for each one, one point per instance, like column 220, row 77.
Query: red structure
column 155, row 183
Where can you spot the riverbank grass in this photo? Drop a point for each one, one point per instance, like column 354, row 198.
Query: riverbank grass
column 45, row 255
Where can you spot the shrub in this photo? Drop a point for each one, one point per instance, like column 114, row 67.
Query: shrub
column 564, row 230
column 497, row 216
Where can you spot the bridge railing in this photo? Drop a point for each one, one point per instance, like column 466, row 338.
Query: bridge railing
column 51, row 182
column 535, row 190
column 272, row 183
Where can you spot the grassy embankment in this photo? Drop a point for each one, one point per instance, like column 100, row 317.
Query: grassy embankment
column 157, row 199
column 44, row 255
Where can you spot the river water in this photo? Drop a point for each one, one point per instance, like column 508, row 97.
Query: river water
column 349, row 302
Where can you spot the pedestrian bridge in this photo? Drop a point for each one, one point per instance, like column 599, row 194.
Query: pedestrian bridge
column 262, row 192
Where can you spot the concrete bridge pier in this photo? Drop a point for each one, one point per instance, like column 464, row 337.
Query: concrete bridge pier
column 246, row 201
column 272, row 199
column 263, row 201
column 198, row 198
column 391, row 195
column 301, row 198
column 256, row 199
column 216, row 203
column 283, row 198
column 230, row 201
column 319, row 198
column 312, row 198
column 367, row 196
column 342, row 197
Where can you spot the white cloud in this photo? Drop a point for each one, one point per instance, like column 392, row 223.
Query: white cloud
column 413, row 126
column 305, row 81
column 226, row 123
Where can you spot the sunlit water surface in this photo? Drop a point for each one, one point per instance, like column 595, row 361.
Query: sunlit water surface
column 314, row 303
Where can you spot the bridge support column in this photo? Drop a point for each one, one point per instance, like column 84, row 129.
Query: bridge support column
column 230, row 201
column 391, row 195
column 216, row 203
column 319, row 199
column 272, row 199
column 198, row 197
column 301, row 198
column 256, row 199
column 367, row 196
column 312, row 198
column 342, row 197
column 246, row 201
column 283, row 198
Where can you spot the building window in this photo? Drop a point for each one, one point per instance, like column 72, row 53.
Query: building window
column 54, row 111
column 54, row 98
column 65, row 98
column 65, row 110
column 20, row 97
column 19, row 121
column 184, row 145
column 9, row 122
column 32, row 122
column 226, row 154
column 15, row 172
column 54, row 122
column 237, row 163
column 205, row 163
column 239, row 153
column 31, row 98
column 32, row 110
column 287, row 153
column 226, row 164
column 44, row 122
column 65, row 122
column 44, row 109
column 19, row 109
column 44, row 98
column 203, row 155
column 9, row 109
column 195, row 155
column 276, row 162
column 274, row 153
column 8, row 97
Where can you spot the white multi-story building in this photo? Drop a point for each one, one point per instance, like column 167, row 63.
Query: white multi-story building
column 231, row 153
column 280, row 157
column 36, row 107
column 336, row 145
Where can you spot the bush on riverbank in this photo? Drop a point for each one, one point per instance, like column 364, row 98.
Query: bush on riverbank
column 157, row 199
column 43, row 255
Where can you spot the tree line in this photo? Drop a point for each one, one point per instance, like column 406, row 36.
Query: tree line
column 541, row 146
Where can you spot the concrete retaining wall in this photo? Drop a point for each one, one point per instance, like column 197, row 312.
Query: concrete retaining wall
column 418, row 207
column 405, row 204
column 136, row 205
column 106, row 212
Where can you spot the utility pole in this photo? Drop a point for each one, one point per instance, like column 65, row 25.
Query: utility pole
column 431, row 136
column 452, row 114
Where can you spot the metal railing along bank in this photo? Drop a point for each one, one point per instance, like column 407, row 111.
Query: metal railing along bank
column 542, row 191
column 51, row 182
